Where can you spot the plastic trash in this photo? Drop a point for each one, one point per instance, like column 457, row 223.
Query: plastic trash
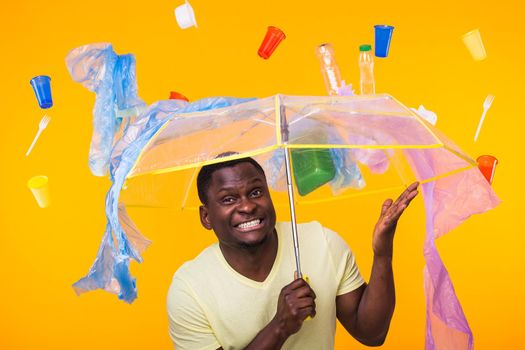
column 345, row 89
column 42, row 88
column 185, row 16
column 366, row 69
column 174, row 95
column 40, row 189
column 383, row 36
column 429, row 116
column 271, row 40
column 475, row 45
column 487, row 166
column 312, row 168
column 347, row 172
column 122, row 241
column 41, row 126
column 329, row 68
column 486, row 105
column 112, row 78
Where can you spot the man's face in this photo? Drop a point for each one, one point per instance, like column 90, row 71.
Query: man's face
column 239, row 207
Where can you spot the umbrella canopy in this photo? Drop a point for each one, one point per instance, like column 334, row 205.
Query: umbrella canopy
column 363, row 135
column 376, row 122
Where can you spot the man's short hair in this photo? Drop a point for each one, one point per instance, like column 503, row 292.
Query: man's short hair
column 206, row 173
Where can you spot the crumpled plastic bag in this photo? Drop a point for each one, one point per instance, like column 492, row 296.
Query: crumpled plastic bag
column 112, row 78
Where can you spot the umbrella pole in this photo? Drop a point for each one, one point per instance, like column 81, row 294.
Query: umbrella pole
column 284, row 135
column 292, row 212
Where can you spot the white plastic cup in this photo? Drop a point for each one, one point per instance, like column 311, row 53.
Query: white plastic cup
column 474, row 44
column 185, row 16
column 40, row 189
column 429, row 116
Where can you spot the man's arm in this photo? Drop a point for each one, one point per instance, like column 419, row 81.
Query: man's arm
column 367, row 311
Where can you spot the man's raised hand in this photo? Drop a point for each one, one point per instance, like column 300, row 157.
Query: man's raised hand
column 382, row 241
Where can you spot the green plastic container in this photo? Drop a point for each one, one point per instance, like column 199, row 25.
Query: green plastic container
column 312, row 168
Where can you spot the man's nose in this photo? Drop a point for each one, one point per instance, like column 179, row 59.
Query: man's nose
column 247, row 205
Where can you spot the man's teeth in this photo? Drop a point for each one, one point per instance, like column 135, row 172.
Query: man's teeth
column 249, row 224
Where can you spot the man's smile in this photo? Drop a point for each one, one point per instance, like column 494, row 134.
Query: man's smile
column 251, row 225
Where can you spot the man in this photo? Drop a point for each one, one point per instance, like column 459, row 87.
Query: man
column 239, row 293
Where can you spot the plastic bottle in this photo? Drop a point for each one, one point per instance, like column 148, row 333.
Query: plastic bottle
column 366, row 67
column 329, row 69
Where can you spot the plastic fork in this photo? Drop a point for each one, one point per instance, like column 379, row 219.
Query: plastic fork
column 486, row 105
column 41, row 126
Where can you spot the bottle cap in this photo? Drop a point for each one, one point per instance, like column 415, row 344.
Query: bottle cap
column 365, row 47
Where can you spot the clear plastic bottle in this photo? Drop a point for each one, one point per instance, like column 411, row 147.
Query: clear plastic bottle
column 329, row 69
column 366, row 67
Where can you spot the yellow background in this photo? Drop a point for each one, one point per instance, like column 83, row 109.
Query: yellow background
column 43, row 251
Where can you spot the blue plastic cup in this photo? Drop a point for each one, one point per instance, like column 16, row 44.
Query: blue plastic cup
column 383, row 34
column 42, row 88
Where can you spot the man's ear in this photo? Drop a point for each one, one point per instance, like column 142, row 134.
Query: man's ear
column 205, row 220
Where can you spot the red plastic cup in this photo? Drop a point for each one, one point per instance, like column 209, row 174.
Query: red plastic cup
column 487, row 166
column 272, row 39
column 174, row 95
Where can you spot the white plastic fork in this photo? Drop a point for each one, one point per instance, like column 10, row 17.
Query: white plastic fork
column 41, row 126
column 486, row 105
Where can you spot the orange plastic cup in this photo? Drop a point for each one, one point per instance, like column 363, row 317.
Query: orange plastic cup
column 487, row 166
column 174, row 95
column 272, row 39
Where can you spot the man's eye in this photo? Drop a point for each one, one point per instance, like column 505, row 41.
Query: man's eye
column 228, row 200
column 256, row 193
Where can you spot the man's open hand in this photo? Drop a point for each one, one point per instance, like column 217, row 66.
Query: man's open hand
column 383, row 239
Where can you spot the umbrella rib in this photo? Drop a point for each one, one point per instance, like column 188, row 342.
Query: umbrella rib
column 264, row 121
column 315, row 145
column 468, row 159
column 396, row 168
column 419, row 119
column 430, row 179
column 145, row 147
column 188, row 186
column 207, row 162
column 241, row 134
column 277, row 112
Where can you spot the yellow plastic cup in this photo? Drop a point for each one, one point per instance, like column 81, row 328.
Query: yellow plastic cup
column 474, row 44
column 40, row 189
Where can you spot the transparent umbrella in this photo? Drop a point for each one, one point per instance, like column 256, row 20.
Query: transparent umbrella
column 333, row 147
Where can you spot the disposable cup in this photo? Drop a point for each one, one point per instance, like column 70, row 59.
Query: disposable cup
column 42, row 88
column 185, row 16
column 174, row 95
column 487, row 166
column 383, row 36
column 475, row 45
column 40, row 189
column 271, row 40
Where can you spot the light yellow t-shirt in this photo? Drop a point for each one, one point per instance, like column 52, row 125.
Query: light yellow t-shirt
column 210, row 305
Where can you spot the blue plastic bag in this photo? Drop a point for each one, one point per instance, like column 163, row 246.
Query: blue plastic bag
column 112, row 78
column 122, row 241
